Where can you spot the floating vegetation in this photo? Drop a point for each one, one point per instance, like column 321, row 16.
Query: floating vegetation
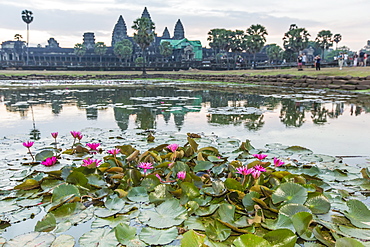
column 179, row 190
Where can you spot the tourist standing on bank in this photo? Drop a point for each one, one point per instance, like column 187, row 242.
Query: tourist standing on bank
column 365, row 59
column 299, row 62
column 361, row 58
column 355, row 59
column 340, row 60
column 345, row 59
column 318, row 62
column 304, row 60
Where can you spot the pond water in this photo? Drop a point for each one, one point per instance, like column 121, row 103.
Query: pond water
column 326, row 122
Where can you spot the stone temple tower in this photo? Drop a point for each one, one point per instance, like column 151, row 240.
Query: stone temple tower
column 119, row 31
column 146, row 14
column 89, row 40
column 179, row 32
column 166, row 34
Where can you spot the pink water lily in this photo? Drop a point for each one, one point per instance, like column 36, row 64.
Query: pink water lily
column 256, row 173
column 278, row 162
column 114, row 151
column 28, row 144
column 244, row 170
column 54, row 135
column 173, row 147
column 259, row 156
column 146, row 166
column 259, row 168
column 159, row 177
column 93, row 146
column 50, row 161
column 75, row 134
column 89, row 161
column 181, row 175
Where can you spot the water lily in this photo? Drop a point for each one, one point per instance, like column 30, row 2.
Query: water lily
column 28, row 145
column 93, row 146
column 54, row 135
column 89, row 161
column 256, row 173
column 146, row 166
column 259, row 168
column 278, row 162
column 75, row 133
column 181, row 175
column 159, row 177
column 173, row 147
column 114, row 151
column 259, row 156
column 50, row 161
column 244, row 170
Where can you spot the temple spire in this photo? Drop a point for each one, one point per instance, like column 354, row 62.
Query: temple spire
column 179, row 30
column 119, row 31
column 166, row 34
column 146, row 14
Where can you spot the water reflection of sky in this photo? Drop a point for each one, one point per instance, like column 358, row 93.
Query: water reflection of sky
column 333, row 126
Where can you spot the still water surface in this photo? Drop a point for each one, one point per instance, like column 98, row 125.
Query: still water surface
column 327, row 123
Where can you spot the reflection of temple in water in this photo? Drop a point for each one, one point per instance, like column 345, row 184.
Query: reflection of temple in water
column 145, row 104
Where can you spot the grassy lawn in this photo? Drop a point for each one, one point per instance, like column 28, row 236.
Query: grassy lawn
column 353, row 71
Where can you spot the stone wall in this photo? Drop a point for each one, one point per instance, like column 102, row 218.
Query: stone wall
column 286, row 80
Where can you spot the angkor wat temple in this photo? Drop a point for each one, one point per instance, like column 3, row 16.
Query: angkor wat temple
column 186, row 53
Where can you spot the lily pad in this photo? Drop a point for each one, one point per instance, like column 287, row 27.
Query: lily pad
column 158, row 237
column 31, row 239
column 102, row 237
column 169, row 213
column 126, row 235
column 248, row 240
column 358, row 214
column 290, row 193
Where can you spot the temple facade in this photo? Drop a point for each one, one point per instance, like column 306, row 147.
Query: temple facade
column 183, row 50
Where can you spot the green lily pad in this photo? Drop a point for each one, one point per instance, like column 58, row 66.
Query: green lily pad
column 158, row 237
column 249, row 240
column 291, row 209
column 138, row 194
column 29, row 184
column 46, row 224
column 298, row 150
column 358, row 214
column 301, row 222
column 318, row 204
column 355, row 232
column 169, row 213
column 248, row 202
column 282, row 222
column 290, row 193
column 64, row 241
column 217, row 231
column 202, row 165
column 112, row 206
column 126, row 235
column 192, row 238
column 64, row 190
column 348, row 242
column 43, row 155
column 111, row 221
column 102, row 237
column 281, row 238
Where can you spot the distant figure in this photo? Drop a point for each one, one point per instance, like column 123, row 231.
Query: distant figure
column 361, row 58
column 355, row 59
column 304, row 59
column 365, row 59
column 340, row 60
column 345, row 59
column 299, row 62
column 318, row 62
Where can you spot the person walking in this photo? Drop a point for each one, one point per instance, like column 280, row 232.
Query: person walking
column 318, row 62
column 365, row 59
column 340, row 60
column 299, row 62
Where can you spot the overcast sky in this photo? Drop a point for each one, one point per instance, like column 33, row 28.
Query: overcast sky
column 67, row 20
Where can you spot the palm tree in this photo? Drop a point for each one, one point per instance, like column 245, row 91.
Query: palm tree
column 255, row 39
column 79, row 50
column 100, row 49
column 296, row 39
column 165, row 49
column 337, row 38
column 219, row 40
column 27, row 18
column 324, row 40
column 144, row 35
column 18, row 37
column 123, row 49
column 274, row 52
